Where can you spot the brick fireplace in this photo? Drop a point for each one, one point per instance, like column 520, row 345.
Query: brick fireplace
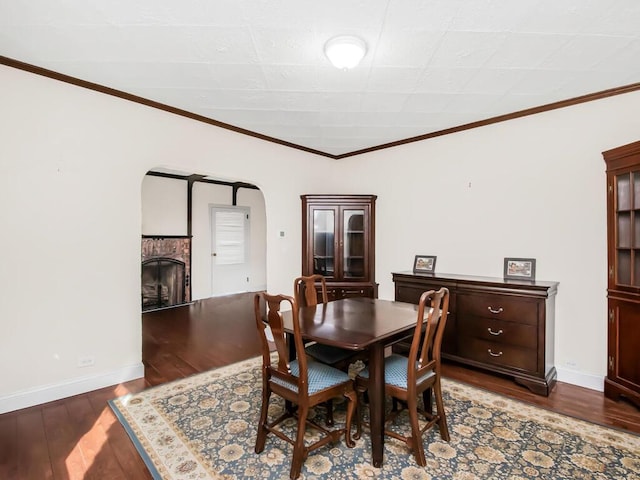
column 166, row 271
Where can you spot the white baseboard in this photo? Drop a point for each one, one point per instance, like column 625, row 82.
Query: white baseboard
column 586, row 380
column 76, row 386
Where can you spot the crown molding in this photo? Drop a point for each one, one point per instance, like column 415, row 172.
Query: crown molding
column 200, row 118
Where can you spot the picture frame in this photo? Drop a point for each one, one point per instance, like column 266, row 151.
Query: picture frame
column 424, row 264
column 520, row 268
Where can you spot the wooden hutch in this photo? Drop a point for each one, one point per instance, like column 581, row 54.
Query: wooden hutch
column 338, row 241
column 623, row 280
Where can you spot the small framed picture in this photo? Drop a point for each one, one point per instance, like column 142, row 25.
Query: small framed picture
column 520, row 268
column 424, row 264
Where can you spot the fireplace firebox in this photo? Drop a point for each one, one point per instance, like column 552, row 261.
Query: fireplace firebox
column 165, row 271
column 163, row 283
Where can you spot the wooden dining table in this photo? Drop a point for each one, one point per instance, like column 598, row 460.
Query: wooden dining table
column 361, row 324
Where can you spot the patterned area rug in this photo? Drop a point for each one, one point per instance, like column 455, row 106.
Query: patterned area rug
column 204, row 427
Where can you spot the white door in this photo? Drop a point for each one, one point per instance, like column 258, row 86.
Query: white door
column 229, row 249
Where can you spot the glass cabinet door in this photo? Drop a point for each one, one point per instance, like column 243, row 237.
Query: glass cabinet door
column 323, row 242
column 627, row 228
column 353, row 242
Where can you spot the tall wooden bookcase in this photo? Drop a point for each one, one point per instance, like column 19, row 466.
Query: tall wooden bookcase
column 338, row 241
column 623, row 292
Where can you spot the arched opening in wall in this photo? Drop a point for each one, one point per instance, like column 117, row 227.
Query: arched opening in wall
column 206, row 236
column 214, row 230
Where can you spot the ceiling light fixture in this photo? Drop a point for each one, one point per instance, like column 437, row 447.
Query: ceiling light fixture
column 345, row 51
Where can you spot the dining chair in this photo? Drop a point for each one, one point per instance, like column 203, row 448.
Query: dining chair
column 300, row 383
column 307, row 289
column 418, row 374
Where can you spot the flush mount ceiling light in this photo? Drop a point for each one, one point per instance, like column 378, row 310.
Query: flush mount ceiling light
column 345, row 51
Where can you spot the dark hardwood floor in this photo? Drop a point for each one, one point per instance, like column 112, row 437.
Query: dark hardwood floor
column 80, row 438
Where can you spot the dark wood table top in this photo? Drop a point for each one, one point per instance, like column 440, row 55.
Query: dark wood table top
column 355, row 323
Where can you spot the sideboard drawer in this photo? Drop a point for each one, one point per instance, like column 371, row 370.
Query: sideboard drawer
column 499, row 331
column 501, row 307
column 504, row 355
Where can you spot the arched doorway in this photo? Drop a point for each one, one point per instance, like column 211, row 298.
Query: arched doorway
column 176, row 207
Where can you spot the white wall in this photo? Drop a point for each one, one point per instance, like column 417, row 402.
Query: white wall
column 72, row 164
column 531, row 187
column 258, row 245
column 164, row 206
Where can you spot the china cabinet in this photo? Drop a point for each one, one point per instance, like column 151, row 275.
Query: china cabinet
column 338, row 242
column 623, row 292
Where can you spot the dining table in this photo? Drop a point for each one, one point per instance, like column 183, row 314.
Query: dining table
column 360, row 324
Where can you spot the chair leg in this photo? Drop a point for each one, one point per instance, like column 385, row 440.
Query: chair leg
column 262, row 429
column 352, row 398
column 329, row 405
column 442, row 418
column 360, row 393
column 416, row 436
column 299, row 453
column 358, row 434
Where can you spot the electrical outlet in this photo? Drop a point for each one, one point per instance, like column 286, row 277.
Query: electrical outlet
column 86, row 361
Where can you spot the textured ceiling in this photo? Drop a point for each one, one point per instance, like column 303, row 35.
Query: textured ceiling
column 259, row 65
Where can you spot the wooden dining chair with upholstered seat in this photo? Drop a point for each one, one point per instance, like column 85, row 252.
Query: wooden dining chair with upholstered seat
column 418, row 374
column 304, row 384
column 307, row 289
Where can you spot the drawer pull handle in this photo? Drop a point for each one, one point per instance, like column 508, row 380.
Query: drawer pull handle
column 499, row 354
column 500, row 310
column 499, row 332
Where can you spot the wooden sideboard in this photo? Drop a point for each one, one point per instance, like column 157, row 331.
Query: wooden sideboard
column 505, row 326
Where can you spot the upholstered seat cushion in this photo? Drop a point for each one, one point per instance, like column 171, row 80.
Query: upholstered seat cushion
column 328, row 354
column 321, row 376
column 395, row 371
